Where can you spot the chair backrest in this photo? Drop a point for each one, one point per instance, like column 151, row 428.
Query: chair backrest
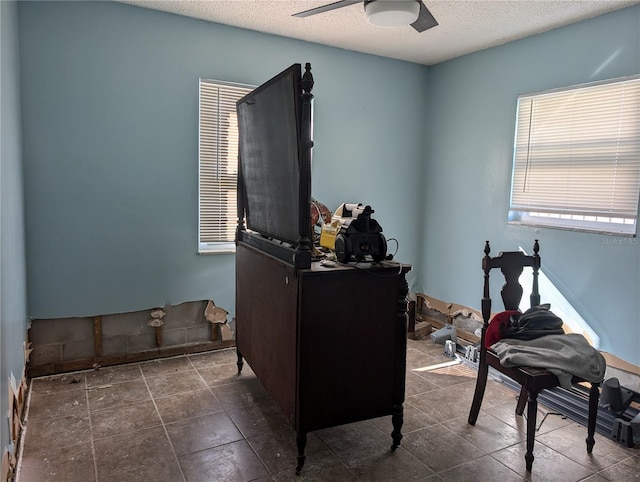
column 511, row 263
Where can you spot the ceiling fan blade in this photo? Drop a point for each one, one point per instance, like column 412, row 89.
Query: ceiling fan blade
column 326, row 8
column 425, row 19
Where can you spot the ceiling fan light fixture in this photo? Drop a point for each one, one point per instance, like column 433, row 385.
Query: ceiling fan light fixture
column 392, row 13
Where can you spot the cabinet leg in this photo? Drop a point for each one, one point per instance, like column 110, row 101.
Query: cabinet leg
column 301, row 441
column 397, row 419
column 240, row 363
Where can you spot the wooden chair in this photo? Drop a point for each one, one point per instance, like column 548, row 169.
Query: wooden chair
column 532, row 380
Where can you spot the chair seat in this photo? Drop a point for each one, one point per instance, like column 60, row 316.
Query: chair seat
column 534, row 378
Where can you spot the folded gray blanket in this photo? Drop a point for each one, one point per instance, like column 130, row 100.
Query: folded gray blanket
column 563, row 355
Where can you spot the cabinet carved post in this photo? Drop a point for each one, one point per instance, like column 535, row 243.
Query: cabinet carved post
column 305, row 244
column 397, row 415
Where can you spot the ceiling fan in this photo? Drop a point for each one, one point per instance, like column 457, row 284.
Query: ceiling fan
column 385, row 13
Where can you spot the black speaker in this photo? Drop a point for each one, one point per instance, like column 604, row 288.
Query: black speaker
column 343, row 248
column 360, row 237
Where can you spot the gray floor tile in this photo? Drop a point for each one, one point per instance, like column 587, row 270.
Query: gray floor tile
column 193, row 418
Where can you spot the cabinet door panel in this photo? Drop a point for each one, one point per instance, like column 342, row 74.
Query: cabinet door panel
column 266, row 309
column 349, row 338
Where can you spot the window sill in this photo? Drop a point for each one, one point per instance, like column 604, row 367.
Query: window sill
column 216, row 248
column 584, row 229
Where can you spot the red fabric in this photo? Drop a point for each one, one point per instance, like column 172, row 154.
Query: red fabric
column 494, row 333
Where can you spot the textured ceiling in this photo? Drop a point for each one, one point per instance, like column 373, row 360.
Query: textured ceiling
column 465, row 26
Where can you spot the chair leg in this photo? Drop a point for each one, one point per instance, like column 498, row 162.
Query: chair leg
column 532, row 413
column 594, row 397
column 481, row 383
column 522, row 401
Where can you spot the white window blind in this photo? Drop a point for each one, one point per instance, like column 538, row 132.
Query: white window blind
column 577, row 158
column 218, row 156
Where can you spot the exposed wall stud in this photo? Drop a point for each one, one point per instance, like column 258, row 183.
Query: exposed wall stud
column 97, row 335
column 156, row 321
column 218, row 318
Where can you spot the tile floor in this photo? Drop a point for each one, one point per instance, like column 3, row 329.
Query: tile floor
column 192, row 418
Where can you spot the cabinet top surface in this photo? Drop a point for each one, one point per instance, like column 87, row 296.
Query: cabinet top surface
column 326, row 266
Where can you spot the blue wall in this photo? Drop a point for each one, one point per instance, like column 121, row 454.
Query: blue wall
column 109, row 97
column 13, row 287
column 469, row 139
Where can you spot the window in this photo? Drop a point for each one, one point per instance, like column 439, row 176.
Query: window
column 576, row 162
column 218, row 157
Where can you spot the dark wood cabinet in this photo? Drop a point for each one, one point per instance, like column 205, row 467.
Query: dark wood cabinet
column 327, row 343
